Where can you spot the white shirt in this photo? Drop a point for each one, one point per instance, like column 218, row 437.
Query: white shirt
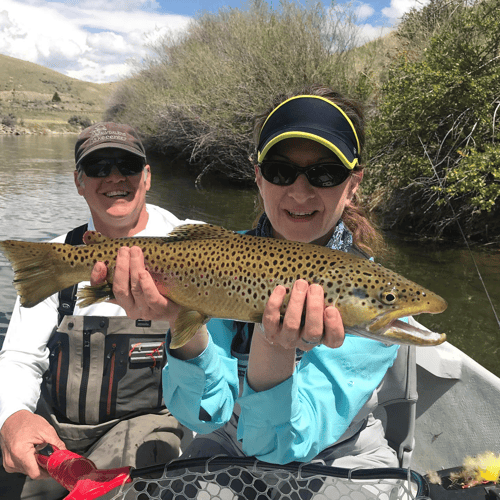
column 25, row 356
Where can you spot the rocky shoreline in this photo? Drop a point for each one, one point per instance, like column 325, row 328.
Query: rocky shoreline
column 36, row 130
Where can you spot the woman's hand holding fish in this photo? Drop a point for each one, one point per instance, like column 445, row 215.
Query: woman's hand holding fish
column 322, row 325
column 272, row 354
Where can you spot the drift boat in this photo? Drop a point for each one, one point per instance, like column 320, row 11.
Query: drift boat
column 456, row 414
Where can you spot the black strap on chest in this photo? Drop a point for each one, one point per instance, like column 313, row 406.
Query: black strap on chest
column 67, row 297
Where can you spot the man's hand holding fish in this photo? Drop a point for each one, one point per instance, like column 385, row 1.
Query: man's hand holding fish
column 136, row 292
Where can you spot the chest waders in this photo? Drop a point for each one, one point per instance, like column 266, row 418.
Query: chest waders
column 105, row 374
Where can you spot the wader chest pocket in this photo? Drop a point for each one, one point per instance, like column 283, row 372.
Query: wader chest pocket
column 105, row 368
column 147, row 352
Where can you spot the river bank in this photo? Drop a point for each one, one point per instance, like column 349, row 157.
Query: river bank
column 35, row 130
column 50, row 126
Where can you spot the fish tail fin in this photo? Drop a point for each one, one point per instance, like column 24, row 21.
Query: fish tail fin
column 187, row 324
column 39, row 270
column 93, row 294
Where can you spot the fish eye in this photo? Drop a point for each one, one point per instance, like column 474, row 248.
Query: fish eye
column 388, row 297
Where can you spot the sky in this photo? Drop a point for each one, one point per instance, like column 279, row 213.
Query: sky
column 105, row 40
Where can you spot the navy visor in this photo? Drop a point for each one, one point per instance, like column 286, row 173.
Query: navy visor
column 315, row 118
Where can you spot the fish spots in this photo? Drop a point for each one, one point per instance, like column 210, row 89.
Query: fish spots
column 358, row 292
column 246, row 270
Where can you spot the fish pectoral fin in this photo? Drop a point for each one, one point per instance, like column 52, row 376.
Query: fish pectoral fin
column 89, row 295
column 255, row 318
column 187, row 324
column 198, row 232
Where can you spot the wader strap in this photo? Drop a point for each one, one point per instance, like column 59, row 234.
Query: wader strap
column 67, row 297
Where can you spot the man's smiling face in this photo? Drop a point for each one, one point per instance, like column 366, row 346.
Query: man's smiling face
column 115, row 200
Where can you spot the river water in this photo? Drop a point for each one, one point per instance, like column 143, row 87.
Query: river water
column 38, row 201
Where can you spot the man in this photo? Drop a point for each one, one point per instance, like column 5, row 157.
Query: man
column 89, row 379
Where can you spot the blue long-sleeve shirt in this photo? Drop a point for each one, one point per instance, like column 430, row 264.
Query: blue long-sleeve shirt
column 295, row 420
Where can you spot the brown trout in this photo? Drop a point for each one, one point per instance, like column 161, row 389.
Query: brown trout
column 215, row 273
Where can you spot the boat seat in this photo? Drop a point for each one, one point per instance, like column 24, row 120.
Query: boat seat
column 397, row 398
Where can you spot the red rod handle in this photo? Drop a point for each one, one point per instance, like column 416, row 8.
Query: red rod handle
column 79, row 475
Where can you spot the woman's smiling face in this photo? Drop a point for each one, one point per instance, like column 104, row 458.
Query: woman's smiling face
column 301, row 212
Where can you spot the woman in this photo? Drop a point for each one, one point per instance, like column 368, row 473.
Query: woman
column 284, row 391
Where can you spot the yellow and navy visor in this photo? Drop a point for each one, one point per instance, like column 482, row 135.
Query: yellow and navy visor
column 315, row 118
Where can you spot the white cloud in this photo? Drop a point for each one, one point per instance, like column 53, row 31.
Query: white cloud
column 9, row 32
column 399, row 7
column 364, row 10
column 96, row 71
column 87, row 39
column 368, row 32
column 118, row 5
column 349, row 26
column 102, row 40
column 109, row 43
column 380, row 22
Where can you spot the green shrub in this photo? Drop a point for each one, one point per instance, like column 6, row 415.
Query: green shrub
column 199, row 94
column 81, row 121
column 8, row 120
column 434, row 155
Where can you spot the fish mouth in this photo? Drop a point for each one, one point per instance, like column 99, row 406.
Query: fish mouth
column 389, row 327
column 399, row 332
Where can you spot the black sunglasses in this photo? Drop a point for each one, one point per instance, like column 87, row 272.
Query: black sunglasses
column 324, row 174
column 103, row 167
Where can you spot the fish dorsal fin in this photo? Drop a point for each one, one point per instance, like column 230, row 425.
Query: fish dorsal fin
column 198, row 232
column 94, row 237
column 180, row 233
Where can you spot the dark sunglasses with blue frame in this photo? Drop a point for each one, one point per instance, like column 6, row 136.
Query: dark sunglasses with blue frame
column 322, row 174
column 102, row 167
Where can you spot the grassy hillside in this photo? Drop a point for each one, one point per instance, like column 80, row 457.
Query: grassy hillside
column 26, row 97
column 27, row 91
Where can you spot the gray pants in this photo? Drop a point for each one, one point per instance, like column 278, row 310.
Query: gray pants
column 367, row 448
